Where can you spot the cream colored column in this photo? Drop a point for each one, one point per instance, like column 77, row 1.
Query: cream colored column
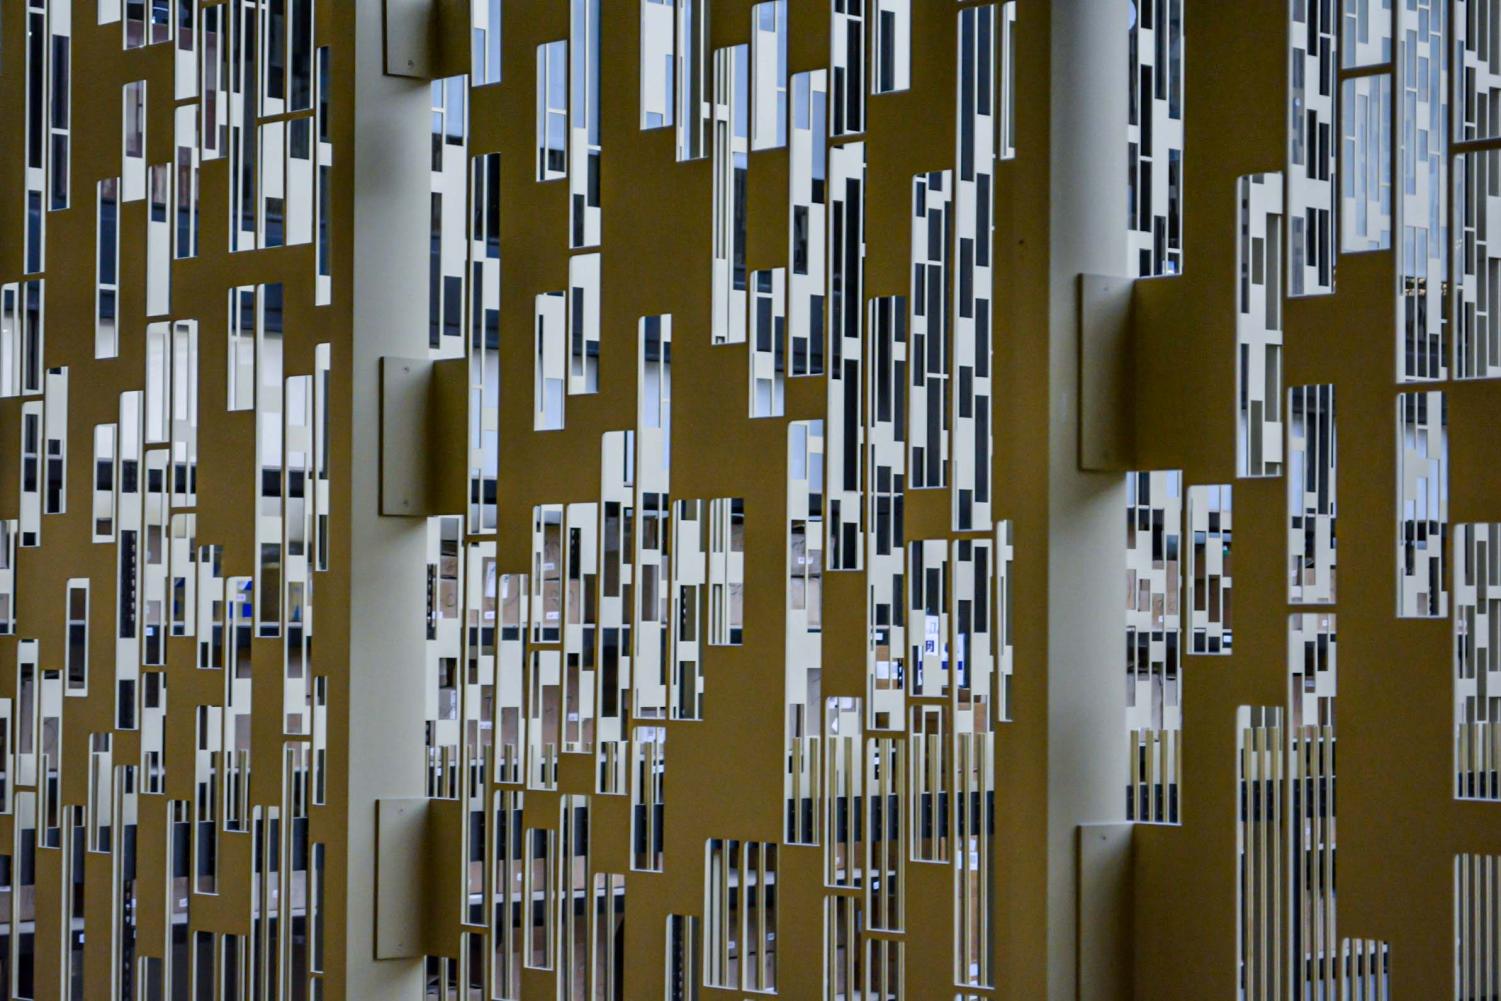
column 387, row 593
column 1086, row 541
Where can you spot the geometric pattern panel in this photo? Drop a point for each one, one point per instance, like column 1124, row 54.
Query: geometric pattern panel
column 580, row 641
column 738, row 656
column 171, row 789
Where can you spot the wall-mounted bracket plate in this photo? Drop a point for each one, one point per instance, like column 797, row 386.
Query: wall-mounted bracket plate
column 1107, row 374
column 418, row 878
column 1106, row 911
column 416, row 31
column 422, row 437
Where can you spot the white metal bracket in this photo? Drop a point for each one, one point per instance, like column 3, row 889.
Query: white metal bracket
column 423, row 38
column 1107, row 374
column 423, row 441
column 418, row 875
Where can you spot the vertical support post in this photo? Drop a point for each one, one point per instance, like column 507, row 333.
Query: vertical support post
column 391, row 160
column 1086, row 544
